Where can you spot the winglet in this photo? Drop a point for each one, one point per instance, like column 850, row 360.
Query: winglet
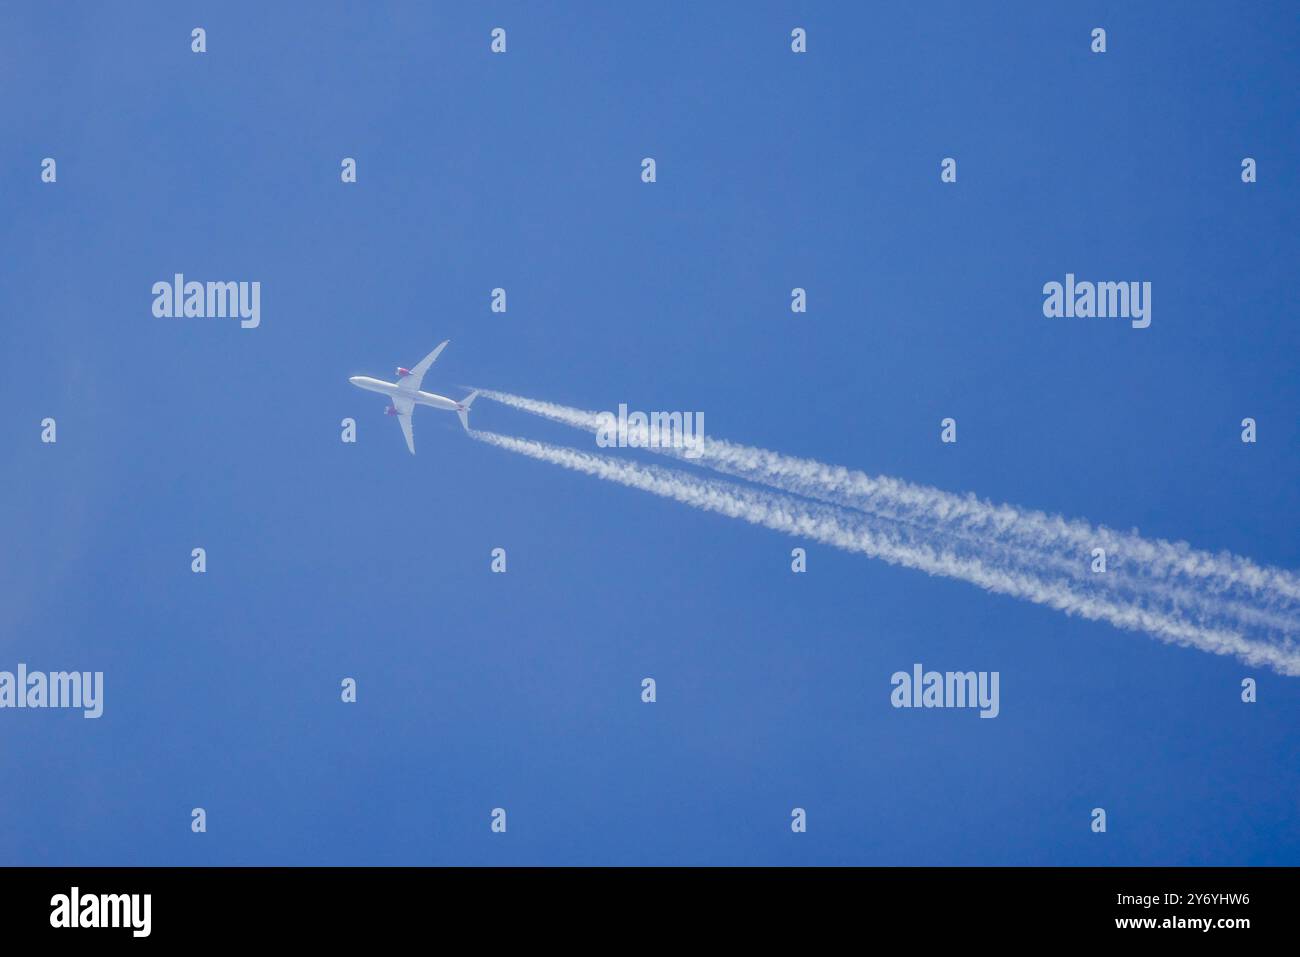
column 462, row 408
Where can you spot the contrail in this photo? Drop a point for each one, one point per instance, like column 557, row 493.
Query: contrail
column 901, row 544
column 1195, row 585
column 1265, row 597
column 906, row 501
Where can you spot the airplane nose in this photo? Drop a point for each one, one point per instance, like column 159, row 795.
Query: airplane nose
column 354, row 379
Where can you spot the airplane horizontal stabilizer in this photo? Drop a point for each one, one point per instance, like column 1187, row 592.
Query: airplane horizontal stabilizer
column 463, row 408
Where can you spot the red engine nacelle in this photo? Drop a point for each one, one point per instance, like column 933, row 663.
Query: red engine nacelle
column 402, row 373
column 391, row 410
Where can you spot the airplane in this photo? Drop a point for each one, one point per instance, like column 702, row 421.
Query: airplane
column 406, row 394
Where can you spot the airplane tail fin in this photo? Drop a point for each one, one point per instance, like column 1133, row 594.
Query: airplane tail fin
column 463, row 411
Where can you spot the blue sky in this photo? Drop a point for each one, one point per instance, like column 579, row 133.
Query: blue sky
column 521, row 690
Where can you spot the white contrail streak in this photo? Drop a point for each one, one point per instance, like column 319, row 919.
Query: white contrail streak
column 1267, row 597
column 859, row 490
column 901, row 544
column 1197, row 584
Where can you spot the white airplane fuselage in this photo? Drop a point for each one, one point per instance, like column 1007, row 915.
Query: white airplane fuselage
column 405, row 395
column 391, row 389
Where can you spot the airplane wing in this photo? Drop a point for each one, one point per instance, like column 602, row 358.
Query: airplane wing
column 404, row 408
column 411, row 383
